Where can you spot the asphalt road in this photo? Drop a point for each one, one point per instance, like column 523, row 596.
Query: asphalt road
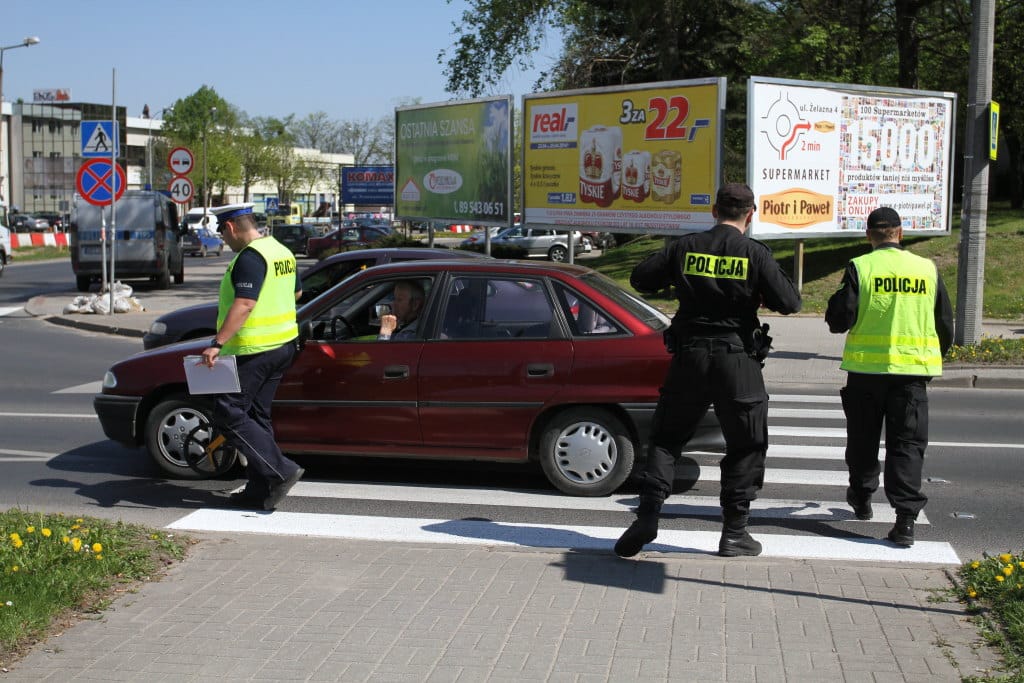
column 56, row 458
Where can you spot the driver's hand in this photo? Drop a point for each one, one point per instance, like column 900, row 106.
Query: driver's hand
column 388, row 323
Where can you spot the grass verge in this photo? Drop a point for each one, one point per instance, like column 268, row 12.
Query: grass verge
column 54, row 568
column 40, row 253
column 993, row 589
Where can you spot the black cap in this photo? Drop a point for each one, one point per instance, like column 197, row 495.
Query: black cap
column 884, row 217
column 735, row 196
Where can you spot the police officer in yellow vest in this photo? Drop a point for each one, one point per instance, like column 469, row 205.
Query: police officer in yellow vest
column 256, row 324
column 900, row 322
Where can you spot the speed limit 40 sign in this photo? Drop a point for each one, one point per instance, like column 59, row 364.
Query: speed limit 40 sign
column 181, row 190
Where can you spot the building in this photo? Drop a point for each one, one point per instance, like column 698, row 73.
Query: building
column 40, row 155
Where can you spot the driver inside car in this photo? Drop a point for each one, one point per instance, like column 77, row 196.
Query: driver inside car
column 401, row 322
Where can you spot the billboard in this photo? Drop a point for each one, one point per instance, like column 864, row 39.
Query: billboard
column 822, row 156
column 51, row 95
column 638, row 158
column 368, row 185
column 453, row 161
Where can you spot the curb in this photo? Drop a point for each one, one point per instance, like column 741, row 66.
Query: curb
column 95, row 327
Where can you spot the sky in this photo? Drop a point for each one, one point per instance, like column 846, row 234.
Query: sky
column 353, row 59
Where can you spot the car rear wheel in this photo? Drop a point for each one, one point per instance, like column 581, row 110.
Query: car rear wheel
column 557, row 253
column 167, row 429
column 586, row 452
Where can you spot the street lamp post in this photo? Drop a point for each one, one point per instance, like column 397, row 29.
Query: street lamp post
column 29, row 41
column 149, row 143
column 206, row 188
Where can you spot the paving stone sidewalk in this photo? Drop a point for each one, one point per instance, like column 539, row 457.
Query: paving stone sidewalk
column 265, row 608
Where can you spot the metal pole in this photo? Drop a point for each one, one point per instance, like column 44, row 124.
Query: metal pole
column 798, row 265
column 113, row 183
column 971, row 263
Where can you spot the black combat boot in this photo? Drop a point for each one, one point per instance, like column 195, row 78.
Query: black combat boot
column 861, row 506
column 642, row 531
column 902, row 532
column 735, row 540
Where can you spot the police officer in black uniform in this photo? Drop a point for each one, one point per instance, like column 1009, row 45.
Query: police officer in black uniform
column 718, row 346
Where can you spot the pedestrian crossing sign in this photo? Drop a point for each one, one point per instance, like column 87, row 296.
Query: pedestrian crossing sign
column 99, row 139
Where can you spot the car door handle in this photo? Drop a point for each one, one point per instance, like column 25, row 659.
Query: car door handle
column 540, row 370
column 396, row 372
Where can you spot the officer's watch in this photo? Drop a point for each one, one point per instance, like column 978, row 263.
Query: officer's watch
column 216, row 344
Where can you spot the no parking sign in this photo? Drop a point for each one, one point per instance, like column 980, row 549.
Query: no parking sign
column 98, row 183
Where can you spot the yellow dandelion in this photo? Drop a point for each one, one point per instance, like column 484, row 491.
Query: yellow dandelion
column 76, row 545
column 65, row 539
column 30, row 529
column 98, row 556
column 153, row 537
column 97, row 548
column 1008, row 570
column 18, row 543
column 74, row 527
column 46, row 532
column 14, row 568
column 975, row 564
column 999, row 578
column 1021, row 565
column 972, row 593
column 15, row 536
column 1005, row 558
column 79, row 520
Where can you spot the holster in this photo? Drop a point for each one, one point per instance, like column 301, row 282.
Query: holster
column 760, row 343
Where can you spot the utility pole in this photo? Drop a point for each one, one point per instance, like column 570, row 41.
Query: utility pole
column 971, row 263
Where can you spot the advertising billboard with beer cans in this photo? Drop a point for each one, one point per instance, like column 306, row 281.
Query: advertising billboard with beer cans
column 639, row 158
column 822, row 156
column 453, row 161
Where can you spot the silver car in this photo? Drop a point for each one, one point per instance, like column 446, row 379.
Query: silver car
column 545, row 242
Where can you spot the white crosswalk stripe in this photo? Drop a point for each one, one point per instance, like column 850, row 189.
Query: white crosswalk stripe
column 825, row 471
column 7, row 310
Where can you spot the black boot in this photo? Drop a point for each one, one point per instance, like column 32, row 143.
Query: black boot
column 735, row 540
column 902, row 533
column 861, row 506
column 642, row 531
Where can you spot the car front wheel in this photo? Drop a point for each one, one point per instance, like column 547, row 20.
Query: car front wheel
column 167, row 428
column 586, row 452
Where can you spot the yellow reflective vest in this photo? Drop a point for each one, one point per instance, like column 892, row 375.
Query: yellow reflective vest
column 895, row 329
column 272, row 321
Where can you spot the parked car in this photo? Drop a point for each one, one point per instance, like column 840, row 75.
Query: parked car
column 202, row 241
column 5, row 246
column 200, row 320
column 56, row 220
column 597, row 240
column 295, row 237
column 479, row 237
column 24, row 222
column 345, row 238
column 544, row 242
column 502, row 370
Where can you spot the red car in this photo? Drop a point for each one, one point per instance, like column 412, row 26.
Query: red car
column 346, row 238
column 512, row 361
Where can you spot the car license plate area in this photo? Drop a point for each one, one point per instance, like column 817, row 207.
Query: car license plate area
column 91, row 251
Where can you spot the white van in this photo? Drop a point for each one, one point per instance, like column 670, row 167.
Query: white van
column 5, row 246
column 194, row 219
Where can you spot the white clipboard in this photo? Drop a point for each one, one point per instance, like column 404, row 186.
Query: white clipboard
column 222, row 378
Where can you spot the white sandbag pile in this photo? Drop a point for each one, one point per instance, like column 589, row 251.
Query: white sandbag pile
column 124, row 302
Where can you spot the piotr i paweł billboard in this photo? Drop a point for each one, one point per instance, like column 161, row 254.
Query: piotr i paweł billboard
column 822, row 156
column 453, row 162
column 643, row 158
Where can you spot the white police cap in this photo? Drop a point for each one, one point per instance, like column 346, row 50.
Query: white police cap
column 229, row 211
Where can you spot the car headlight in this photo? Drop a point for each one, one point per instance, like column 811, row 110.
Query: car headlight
column 109, row 380
column 158, row 328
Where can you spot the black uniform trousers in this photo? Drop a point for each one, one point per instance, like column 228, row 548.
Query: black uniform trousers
column 705, row 372
column 244, row 418
column 900, row 402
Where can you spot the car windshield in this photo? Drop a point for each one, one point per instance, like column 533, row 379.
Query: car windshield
column 634, row 304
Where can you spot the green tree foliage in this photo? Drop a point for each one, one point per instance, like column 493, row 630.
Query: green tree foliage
column 206, row 116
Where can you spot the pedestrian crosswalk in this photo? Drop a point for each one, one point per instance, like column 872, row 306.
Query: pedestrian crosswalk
column 805, row 455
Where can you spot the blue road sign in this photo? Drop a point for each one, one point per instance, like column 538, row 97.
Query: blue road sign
column 100, row 139
column 270, row 205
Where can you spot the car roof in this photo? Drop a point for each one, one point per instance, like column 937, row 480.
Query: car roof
column 493, row 266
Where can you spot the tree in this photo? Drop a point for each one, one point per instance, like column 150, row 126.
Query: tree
column 319, row 132
column 369, row 142
column 205, row 116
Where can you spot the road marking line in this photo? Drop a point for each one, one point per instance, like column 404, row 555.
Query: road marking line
column 807, row 413
column 87, row 388
column 482, row 532
column 682, row 505
column 9, row 309
column 35, row 455
column 75, row 416
column 804, row 398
